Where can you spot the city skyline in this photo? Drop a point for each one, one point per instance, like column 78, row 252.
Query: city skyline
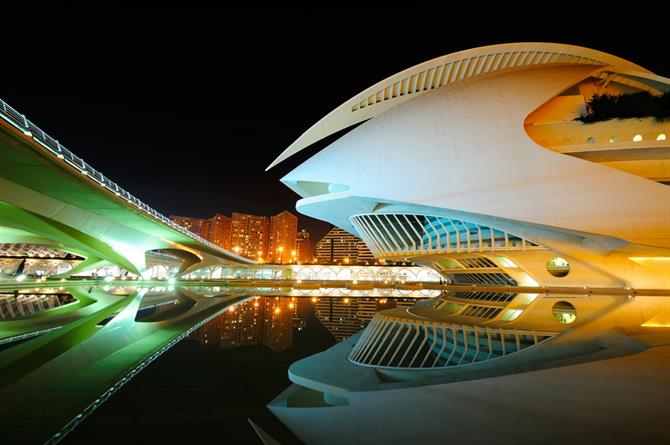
column 272, row 239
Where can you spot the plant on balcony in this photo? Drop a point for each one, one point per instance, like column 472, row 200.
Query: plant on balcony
column 604, row 107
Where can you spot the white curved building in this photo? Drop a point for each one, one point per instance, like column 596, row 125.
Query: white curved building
column 483, row 144
column 473, row 163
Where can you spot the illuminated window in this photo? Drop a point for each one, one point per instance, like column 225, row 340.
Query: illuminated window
column 661, row 137
column 613, row 139
column 564, row 312
column 637, row 138
column 558, row 267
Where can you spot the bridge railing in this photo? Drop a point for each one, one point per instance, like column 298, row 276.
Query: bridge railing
column 28, row 128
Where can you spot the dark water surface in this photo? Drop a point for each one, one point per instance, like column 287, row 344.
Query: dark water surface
column 206, row 387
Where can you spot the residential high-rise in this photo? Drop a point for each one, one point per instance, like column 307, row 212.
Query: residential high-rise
column 250, row 235
column 220, row 230
column 282, row 245
column 264, row 238
column 341, row 247
column 303, row 246
column 199, row 226
column 215, row 229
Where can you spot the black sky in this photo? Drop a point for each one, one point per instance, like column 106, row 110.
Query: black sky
column 186, row 108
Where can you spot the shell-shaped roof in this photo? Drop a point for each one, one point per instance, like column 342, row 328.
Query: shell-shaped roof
column 444, row 71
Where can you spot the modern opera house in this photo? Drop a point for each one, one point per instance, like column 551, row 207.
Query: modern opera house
column 553, row 232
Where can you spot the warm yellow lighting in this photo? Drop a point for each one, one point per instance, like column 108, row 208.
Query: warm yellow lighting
column 231, row 309
column 256, row 304
column 277, row 310
column 346, row 300
column 660, row 320
column 637, row 138
column 291, row 305
column 657, row 258
column 314, row 299
column 236, row 249
column 661, row 137
column 346, row 260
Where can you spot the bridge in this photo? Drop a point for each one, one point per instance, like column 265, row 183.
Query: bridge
column 51, row 197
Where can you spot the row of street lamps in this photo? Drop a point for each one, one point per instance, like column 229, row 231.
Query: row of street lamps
column 279, row 251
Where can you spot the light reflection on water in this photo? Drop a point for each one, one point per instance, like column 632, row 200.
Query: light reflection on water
column 265, row 333
column 271, row 321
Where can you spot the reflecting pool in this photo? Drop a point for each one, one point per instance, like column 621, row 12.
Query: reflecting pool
column 182, row 363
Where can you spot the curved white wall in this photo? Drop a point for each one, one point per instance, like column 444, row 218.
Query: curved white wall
column 465, row 148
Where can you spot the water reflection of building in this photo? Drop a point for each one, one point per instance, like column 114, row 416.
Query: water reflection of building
column 301, row 312
column 264, row 321
column 343, row 317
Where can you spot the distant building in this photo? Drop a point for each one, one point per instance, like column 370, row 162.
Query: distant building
column 215, row 229
column 341, row 247
column 199, row 226
column 272, row 239
column 364, row 255
column 220, row 232
column 282, row 244
column 303, row 246
column 250, row 235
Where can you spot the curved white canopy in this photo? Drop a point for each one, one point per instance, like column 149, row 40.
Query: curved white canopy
column 444, row 71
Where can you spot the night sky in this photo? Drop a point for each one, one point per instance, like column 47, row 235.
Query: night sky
column 186, row 108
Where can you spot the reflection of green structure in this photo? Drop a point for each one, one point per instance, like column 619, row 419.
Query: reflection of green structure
column 51, row 382
column 49, row 196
